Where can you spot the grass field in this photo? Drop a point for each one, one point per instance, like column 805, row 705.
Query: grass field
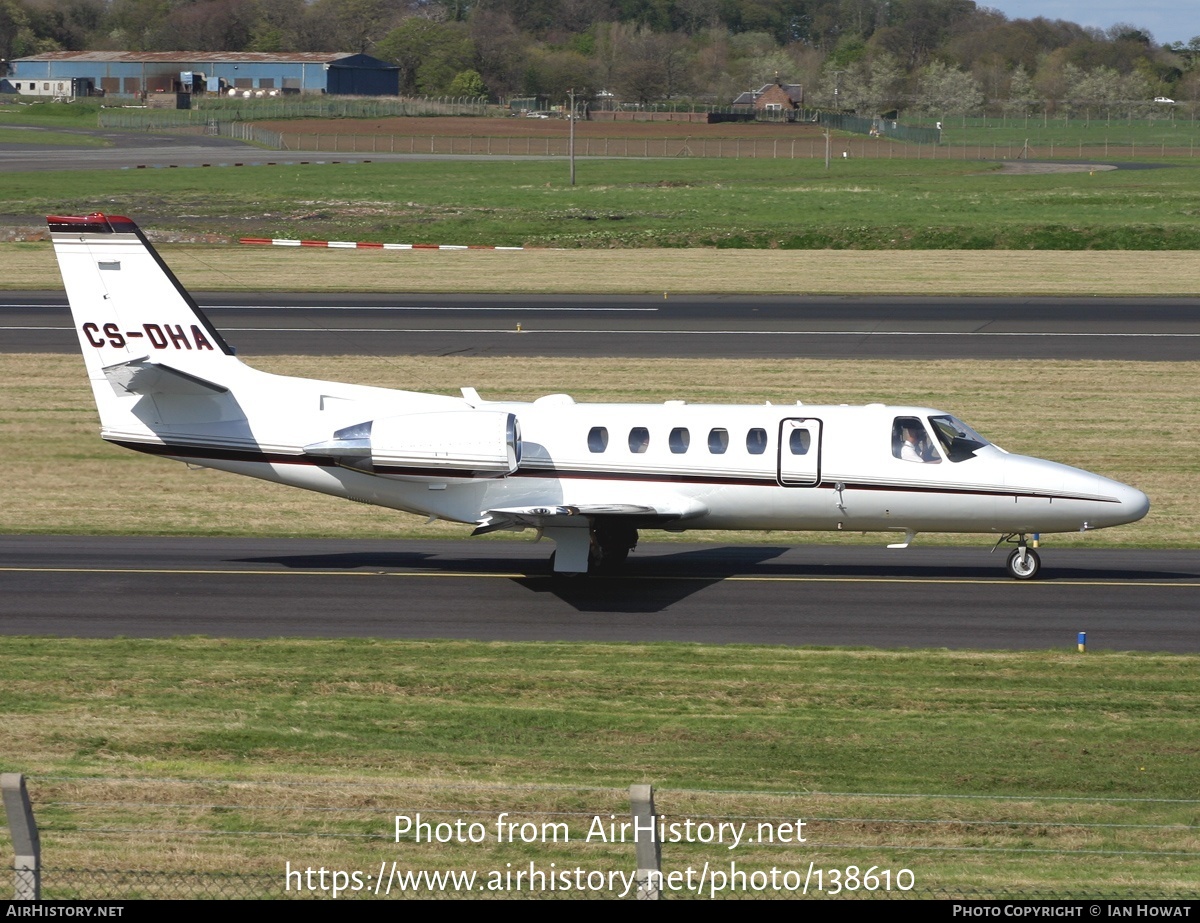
column 1173, row 127
column 860, row 204
column 44, row 114
column 653, row 271
column 1000, row 773
column 1140, row 424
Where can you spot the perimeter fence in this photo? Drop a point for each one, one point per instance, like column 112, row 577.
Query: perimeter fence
column 116, row 838
column 212, row 109
column 856, row 138
column 810, row 147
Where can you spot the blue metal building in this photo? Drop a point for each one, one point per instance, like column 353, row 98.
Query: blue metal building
column 135, row 73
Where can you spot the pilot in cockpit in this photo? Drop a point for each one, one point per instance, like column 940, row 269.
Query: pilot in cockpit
column 911, row 443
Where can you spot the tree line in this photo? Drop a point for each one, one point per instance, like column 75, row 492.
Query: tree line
column 941, row 57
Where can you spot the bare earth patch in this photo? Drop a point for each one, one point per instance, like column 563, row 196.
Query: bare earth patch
column 515, row 127
column 1034, row 168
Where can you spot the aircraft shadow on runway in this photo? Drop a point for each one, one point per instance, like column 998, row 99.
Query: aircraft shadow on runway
column 373, row 560
column 650, row 584
column 715, row 562
column 654, row 581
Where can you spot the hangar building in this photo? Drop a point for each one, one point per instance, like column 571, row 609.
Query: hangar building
column 134, row 73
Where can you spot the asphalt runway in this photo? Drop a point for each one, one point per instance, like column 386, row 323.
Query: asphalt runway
column 140, row 150
column 768, row 327
column 922, row 597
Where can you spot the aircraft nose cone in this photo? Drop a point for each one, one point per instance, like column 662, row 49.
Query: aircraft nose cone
column 1134, row 504
column 1131, row 505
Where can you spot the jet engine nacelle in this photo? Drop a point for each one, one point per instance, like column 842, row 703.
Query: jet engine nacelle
column 453, row 443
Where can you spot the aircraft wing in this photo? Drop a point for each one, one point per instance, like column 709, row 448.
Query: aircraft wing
column 540, row 517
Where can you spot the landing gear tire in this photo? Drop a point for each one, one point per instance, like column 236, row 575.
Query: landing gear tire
column 612, row 558
column 611, row 544
column 1024, row 570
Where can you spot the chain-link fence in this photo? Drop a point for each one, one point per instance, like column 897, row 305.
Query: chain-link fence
column 888, row 128
column 808, row 147
column 210, row 109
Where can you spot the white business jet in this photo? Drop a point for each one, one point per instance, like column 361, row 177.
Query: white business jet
column 588, row 476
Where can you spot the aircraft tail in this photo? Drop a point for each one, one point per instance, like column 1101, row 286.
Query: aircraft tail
column 140, row 331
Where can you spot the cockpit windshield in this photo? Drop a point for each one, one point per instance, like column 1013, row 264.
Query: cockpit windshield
column 958, row 440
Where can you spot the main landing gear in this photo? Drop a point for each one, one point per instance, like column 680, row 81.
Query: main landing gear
column 1023, row 562
column 611, row 544
column 602, row 548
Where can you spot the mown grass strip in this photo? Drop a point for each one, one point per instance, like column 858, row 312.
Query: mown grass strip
column 680, row 203
column 31, row 266
column 980, row 771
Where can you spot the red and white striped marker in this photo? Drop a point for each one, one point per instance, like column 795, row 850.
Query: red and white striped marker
column 366, row 245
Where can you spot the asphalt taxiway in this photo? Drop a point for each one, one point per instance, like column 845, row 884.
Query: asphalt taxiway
column 922, row 597
column 767, row 327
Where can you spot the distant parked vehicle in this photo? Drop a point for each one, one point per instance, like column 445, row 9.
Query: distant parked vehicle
column 1164, row 99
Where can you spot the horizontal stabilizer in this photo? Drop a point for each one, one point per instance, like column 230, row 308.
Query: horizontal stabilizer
column 141, row 376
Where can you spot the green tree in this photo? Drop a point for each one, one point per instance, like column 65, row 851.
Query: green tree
column 206, row 25
column 362, row 22
column 501, row 51
column 15, row 38
column 552, row 73
column 132, row 25
column 1022, row 97
column 653, row 67
column 429, row 54
column 948, row 91
column 467, row 83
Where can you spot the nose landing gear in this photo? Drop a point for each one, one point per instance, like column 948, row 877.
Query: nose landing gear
column 1023, row 562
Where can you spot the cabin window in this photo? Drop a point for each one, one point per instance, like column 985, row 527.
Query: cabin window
column 910, row 441
column 679, row 440
column 799, row 441
column 718, row 441
column 639, row 440
column 598, row 438
column 756, row 441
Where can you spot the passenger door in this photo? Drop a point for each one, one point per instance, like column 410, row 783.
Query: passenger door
column 800, row 452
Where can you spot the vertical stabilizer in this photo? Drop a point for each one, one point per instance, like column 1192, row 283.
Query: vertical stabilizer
column 132, row 314
column 125, row 301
